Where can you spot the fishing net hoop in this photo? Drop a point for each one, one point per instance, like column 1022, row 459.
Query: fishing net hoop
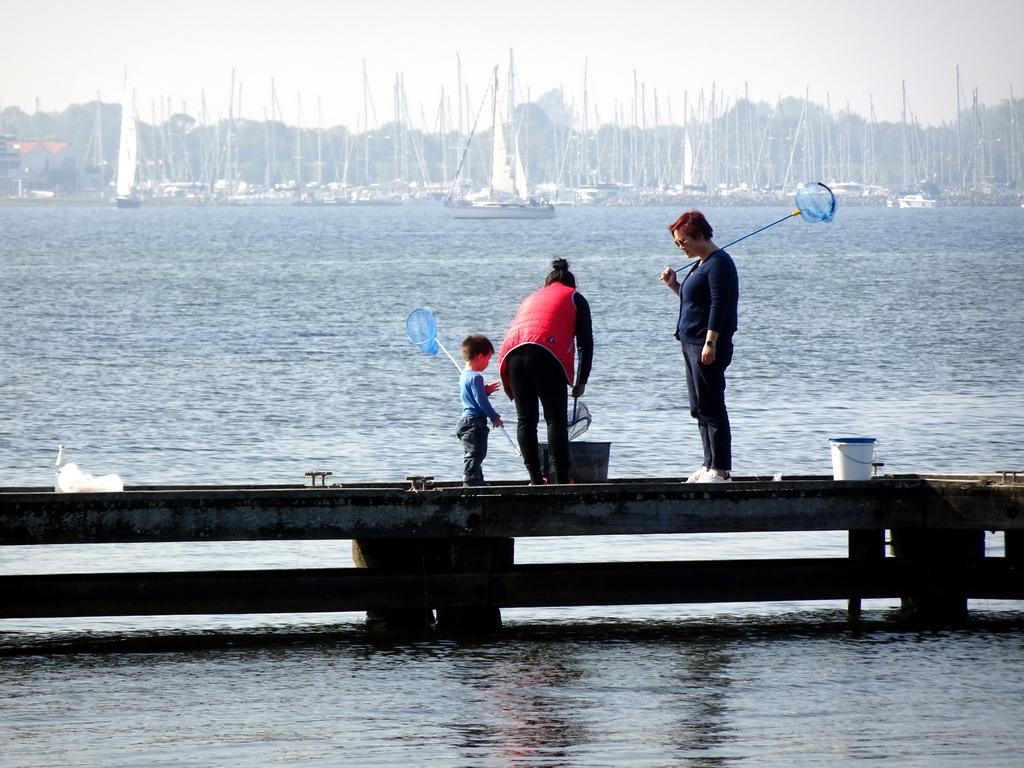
column 579, row 419
column 816, row 202
column 422, row 329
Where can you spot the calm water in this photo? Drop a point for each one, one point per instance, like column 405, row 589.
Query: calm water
column 216, row 345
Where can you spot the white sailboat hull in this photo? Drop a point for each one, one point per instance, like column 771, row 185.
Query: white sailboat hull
column 492, row 210
column 261, row 200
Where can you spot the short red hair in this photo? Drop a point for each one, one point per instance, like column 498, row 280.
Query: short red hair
column 692, row 223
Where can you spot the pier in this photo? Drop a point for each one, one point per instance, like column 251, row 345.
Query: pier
column 423, row 550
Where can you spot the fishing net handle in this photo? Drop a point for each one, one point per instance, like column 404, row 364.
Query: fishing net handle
column 816, row 202
column 762, row 229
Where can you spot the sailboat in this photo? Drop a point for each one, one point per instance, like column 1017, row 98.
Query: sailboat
column 127, row 195
column 506, row 198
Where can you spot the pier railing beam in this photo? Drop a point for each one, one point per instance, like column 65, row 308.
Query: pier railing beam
column 449, row 550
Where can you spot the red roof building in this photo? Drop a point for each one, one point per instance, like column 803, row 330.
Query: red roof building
column 56, row 167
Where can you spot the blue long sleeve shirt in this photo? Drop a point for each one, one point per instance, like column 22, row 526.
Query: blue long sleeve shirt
column 474, row 396
column 708, row 299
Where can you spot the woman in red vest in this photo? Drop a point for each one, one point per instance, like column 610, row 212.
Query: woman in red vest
column 536, row 365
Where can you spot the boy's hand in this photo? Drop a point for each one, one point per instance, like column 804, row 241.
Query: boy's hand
column 491, row 388
column 498, row 423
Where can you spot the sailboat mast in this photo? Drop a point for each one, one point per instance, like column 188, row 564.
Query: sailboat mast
column 495, row 128
column 127, row 152
column 98, row 139
column 959, row 150
column 1015, row 174
column 585, row 177
column 298, row 146
column 906, row 172
column 272, row 172
column 513, row 157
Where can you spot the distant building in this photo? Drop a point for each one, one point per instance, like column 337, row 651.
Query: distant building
column 44, row 167
column 10, row 162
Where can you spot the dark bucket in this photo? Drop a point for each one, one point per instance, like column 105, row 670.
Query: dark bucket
column 588, row 461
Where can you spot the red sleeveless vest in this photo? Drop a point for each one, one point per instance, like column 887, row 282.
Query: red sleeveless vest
column 547, row 318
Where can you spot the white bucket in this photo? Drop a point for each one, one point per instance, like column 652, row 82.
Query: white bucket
column 852, row 457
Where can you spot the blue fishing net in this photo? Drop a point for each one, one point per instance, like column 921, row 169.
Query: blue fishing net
column 816, row 202
column 422, row 330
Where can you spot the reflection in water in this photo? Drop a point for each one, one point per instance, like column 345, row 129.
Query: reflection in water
column 525, row 714
column 702, row 730
column 806, row 689
column 551, row 701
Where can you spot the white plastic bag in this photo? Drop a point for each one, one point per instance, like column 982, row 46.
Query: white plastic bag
column 73, row 480
column 70, row 479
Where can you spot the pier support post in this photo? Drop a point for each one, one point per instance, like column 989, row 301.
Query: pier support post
column 408, row 556
column 938, row 559
column 864, row 546
column 481, row 556
column 1013, row 547
column 474, row 611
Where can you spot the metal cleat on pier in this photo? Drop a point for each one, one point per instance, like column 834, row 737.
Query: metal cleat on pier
column 420, row 482
column 323, row 475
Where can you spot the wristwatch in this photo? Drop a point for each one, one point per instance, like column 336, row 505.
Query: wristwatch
column 710, row 342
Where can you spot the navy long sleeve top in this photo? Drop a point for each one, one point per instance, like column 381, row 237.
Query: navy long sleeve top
column 708, row 299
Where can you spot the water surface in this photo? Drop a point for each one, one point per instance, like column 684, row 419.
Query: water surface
column 213, row 345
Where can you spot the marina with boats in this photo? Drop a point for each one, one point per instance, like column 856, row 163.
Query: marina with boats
column 726, row 149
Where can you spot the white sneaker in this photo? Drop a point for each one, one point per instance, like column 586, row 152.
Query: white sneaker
column 696, row 475
column 711, row 476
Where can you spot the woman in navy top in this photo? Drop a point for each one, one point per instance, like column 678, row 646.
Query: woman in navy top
column 708, row 299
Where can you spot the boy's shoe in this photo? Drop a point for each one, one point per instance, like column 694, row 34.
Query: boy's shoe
column 696, row 475
column 473, row 484
column 710, row 476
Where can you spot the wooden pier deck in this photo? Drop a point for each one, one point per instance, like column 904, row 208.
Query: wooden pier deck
column 426, row 547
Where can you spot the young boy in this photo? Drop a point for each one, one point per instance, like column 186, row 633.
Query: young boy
column 476, row 408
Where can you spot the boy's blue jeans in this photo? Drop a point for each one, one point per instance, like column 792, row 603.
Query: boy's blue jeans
column 473, row 432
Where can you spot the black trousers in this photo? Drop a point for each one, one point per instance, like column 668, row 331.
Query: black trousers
column 705, row 385
column 535, row 376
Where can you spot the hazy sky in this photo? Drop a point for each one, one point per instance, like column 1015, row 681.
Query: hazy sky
column 854, row 54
